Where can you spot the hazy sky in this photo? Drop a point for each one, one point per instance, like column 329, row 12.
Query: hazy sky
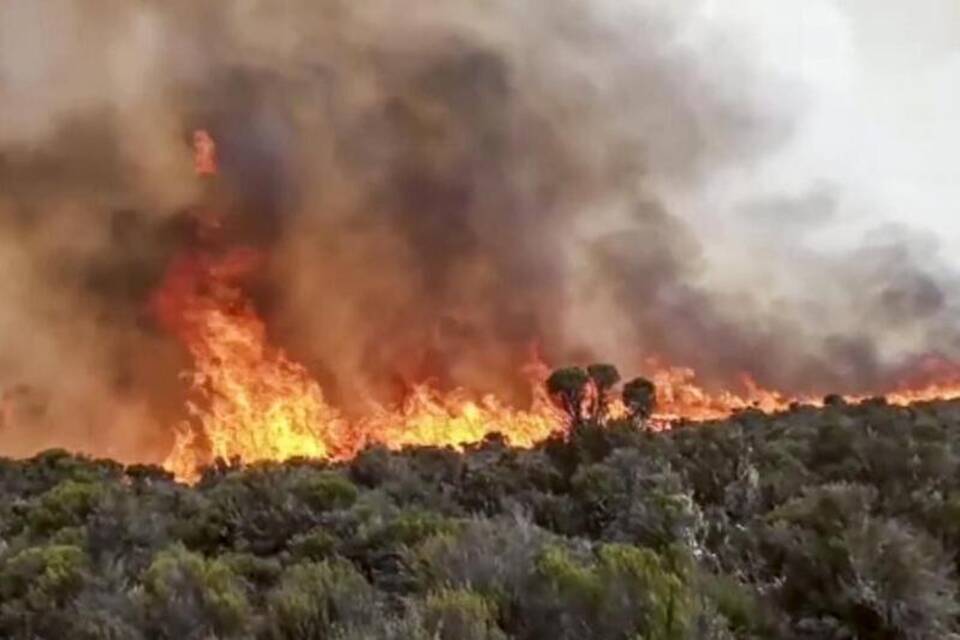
column 877, row 86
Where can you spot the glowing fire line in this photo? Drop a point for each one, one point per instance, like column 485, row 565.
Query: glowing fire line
column 250, row 401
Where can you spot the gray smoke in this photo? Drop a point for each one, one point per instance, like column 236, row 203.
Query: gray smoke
column 438, row 187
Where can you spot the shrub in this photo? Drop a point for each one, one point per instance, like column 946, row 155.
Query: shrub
column 627, row 591
column 460, row 614
column 188, row 596
column 315, row 545
column 45, row 574
column 67, row 504
column 313, row 599
column 411, row 527
column 325, row 491
column 902, row 578
column 37, row 589
column 260, row 573
column 495, row 557
column 644, row 590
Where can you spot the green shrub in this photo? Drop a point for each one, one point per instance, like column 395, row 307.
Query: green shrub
column 626, row 590
column 312, row 600
column 43, row 576
column 654, row 585
column 569, row 579
column 325, row 491
column 186, row 595
column 495, row 557
column 38, row 588
column 258, row 572
column 412, row 527
column 459, row 614
column 732, row 600
column 841, row 522
column 315, row 545
column 67, row 504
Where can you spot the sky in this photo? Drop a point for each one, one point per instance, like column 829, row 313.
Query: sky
column 878, row 127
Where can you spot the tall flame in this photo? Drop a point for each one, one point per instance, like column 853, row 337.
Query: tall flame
column 250, row 401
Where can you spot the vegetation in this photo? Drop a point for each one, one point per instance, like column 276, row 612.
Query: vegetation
column 833, row 523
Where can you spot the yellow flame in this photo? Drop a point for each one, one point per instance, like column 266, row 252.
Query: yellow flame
column 252, row 402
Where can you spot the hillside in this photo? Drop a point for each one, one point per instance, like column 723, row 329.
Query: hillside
column 840, row 522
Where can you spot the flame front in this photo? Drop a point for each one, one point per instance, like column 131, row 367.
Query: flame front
column 679, row 397
column 250, row 401
column 429, row 417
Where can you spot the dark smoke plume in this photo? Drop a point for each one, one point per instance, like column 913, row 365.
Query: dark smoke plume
column 438, row 187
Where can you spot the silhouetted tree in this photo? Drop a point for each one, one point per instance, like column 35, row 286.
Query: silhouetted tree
column 604, row 377
column 640, row 397
column 568, row 388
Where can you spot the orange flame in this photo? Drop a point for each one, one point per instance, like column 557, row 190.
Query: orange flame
column 680, row 397
column 429, row 418
column 251, row 401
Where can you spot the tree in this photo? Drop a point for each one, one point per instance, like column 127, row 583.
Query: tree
column 568, row 388
column 604, row 377
column 640, row 397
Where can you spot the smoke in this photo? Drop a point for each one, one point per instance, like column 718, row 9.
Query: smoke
column 438, row 188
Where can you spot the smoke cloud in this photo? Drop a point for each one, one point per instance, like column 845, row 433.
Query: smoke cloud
column 438, row 188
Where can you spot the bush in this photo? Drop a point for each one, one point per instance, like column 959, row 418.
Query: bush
column 188, row 596
column 411, row 527
column 644, row 590
column 325, row 491
column 315, row 545
column 459, row 614
column 494, row 557
column 38, row 586
column 66, row 505
column 626, row 591
column 313, row 600
column 39, row 574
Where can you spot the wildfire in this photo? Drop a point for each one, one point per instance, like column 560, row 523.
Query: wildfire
column 250, row 400
column 680, row 397
column 431, row 418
